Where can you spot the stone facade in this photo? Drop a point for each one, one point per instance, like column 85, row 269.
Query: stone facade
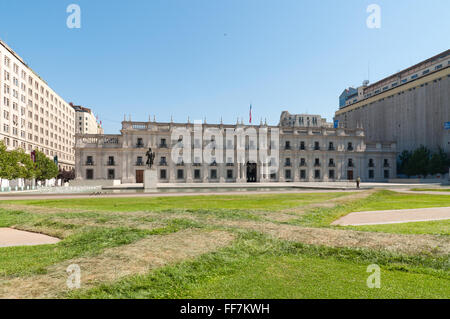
column 304, row 148
column 410, row 107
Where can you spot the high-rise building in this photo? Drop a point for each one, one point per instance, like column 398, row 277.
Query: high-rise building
column 32, row 115
column 411, row 107
column 85, row 121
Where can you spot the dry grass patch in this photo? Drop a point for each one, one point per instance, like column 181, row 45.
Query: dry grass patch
column 406, row 244
column 115, row 263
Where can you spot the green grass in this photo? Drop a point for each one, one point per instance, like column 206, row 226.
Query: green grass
column 437, row 227
column 257, row 267
column 381, row 200
column 254, row 266
column 261, row 202
column 431, row 189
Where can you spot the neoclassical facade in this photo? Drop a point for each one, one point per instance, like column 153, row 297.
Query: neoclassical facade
column 301, row 148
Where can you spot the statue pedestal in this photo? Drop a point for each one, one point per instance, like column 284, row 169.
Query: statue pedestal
column 150, row 179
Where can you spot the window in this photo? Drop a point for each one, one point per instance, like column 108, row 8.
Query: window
column 273, row 176
column 316, row 162
column 139, row 161
column 350, row 162
column 386, row 173
column 213, row 174
column 229, row 173
column 303, row 174
column 371, row 163
column 111, row 174
column 331, row 163
column 316, row 146
column 302, row 162
column 140, row 142
column 287, row 145
column 162, row 161
column 331, row 174
column 302, row 146
column 89, row 174
column 386, row 163
column 89, row 160
column 316, row 174
column 331, row 146
column 196, row 174
column 371, row 174
column 111, row 161
column 350, row 146
column 288, row 162
column 287, row 174
column 180, row 174
column 163, row 174
column 163, row 143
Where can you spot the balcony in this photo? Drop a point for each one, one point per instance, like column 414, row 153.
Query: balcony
column 230, row 164
column 287, row 164
column 197, row 164
column 163, row 145
column 331, row 148
column 162, row 163
column 350, row 148
column 371, row 165
column 287, row 147
column 111, row 163
column 140, row 145
column 386, row 165
column 213, row 164
column 331, row 164
column 351, row 165
column 303, row 164
column 316, row 164
column 89, row 163
column 180, row 163
column 317, row 148
column 139, row 163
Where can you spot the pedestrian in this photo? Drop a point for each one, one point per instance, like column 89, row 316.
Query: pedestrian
column 358, row 180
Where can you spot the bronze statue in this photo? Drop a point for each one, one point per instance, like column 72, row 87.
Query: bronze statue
column 150, row 157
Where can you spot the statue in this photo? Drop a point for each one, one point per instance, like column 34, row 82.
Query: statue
column 150, row 158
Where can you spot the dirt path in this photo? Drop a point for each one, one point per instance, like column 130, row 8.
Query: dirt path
column 394, row 216
column 114, row 263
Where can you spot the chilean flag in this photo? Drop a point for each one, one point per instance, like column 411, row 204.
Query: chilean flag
column 250, row 114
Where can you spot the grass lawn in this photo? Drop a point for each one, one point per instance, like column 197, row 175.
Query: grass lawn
column 251, row 264
column 259, row 268
column 437, row 227
column 431, row 189
column 264, row 202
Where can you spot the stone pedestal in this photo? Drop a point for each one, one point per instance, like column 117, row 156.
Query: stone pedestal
column 150, row 179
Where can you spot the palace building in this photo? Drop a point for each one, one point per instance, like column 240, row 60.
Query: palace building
column 300, row 148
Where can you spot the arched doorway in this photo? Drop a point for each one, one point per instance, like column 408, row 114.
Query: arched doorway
column 251, row 172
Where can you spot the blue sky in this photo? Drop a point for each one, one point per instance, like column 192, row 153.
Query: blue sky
column 212, row 58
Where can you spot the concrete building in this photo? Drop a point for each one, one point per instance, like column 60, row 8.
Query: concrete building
column 32, row 115
column 85, row 121
column 301, row 148
column 411, row 107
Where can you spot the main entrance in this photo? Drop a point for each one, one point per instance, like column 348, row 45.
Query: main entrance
column 350, row 175
column 251, row 172
column 139, row 176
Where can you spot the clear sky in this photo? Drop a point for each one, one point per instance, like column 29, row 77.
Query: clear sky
column 212, row 58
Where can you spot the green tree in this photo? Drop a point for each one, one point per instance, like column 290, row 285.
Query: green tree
column 45, row 168
column 439, row 162
column 23, row 165
column 6, row 163
column 403, row 162
column 418, row 164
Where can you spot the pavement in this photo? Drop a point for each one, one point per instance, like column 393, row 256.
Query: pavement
column 12, row 237
column 394, row 216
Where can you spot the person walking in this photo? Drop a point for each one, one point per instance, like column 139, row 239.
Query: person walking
column 358, row 181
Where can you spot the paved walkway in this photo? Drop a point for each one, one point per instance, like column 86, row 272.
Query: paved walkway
column 394, row 216
column 12, row 237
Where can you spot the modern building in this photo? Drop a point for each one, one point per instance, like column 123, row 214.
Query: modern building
column 301, row 148
column 85, row 121
column 32, row 115
column 411, row 107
